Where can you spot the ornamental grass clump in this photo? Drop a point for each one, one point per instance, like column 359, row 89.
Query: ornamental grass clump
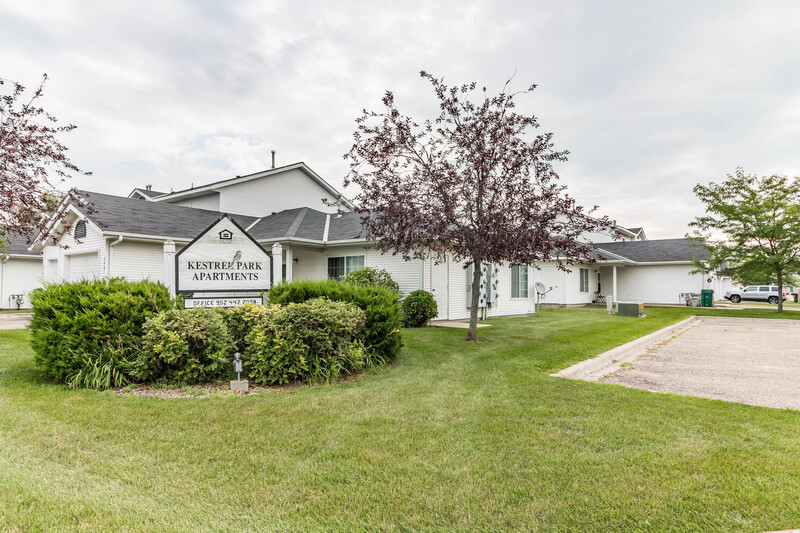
column 87, row 333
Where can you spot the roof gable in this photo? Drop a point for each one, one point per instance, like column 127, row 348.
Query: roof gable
column 217, row 185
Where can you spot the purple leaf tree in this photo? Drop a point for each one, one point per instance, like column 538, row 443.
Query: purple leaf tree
column 475, row 183
column 33, row 162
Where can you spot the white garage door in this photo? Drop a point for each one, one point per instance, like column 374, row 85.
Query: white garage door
column 82, row 266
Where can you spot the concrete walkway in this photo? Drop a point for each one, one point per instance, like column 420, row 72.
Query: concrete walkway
column 746, row 360
column 14, row 320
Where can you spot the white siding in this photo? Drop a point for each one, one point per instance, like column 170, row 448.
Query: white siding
column 599, row 236
column 407, row 274
column 137, row 261
column 207, row 201
column 313, row 264
column 51, row 270
column 572, row 285
column 654, row 284
column 94, row 242
column 554, row 281
column 262, row 196
column 506, row 305
column 19, row 276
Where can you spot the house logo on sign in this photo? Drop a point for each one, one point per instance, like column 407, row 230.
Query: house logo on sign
column 225, row 236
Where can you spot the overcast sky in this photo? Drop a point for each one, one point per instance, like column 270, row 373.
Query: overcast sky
column 650, row 98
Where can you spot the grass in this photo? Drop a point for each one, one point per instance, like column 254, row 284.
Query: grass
column 452, row 437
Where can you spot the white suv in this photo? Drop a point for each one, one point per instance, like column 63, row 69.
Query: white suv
column 758, row 293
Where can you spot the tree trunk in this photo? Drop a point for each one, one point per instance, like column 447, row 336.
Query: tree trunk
column 780, row 290
column 472, row 333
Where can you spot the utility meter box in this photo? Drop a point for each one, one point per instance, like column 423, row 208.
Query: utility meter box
column 630, row 309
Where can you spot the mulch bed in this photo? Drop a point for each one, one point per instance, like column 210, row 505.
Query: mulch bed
column 199, row 391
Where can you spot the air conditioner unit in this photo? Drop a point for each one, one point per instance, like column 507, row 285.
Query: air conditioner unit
column 630, row 309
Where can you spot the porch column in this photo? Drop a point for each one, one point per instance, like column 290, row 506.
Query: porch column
column 614, row 284
column 277, row 263
column 287, row 252
column 169, row 266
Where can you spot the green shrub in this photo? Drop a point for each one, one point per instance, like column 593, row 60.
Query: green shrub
column 313, row 340
column 372, row 277
column 419, row 308
column 185, row 346
column 242, row 319
column 381, row 334
column 87, row 333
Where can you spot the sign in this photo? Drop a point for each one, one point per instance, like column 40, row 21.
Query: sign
column 194, row 303
column 224, row 258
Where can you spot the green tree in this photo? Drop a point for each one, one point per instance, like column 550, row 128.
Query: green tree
column 753, row 223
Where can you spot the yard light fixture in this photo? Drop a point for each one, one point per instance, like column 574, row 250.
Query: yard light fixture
column 237, row 365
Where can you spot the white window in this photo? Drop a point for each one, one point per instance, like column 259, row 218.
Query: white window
column 339, row 267
column 584, row 272
column 519, row 281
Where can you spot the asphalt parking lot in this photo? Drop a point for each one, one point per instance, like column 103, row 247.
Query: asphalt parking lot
column 746, row 360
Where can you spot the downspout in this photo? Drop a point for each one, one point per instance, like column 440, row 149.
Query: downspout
column 6, row 257
column 108, row 255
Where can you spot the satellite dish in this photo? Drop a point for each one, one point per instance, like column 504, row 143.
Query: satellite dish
column 540, row 288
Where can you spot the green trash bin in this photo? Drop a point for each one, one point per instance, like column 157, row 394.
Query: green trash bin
column 706, row 298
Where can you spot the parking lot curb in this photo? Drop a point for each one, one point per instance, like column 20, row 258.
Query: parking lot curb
column 607, row 362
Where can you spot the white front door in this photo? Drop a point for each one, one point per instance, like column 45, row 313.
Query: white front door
column 440, row 288
column 81, row 266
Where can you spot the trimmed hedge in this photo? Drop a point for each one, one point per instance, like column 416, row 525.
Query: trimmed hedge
column 381, row 334
column 419, row 308
column 308, row 341
column 88, row 333
column 186, row 347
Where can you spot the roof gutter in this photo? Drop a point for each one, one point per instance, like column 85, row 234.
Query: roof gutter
column 143, row 237
column 119, row 240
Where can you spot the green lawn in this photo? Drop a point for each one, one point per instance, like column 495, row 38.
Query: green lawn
column 452, row 437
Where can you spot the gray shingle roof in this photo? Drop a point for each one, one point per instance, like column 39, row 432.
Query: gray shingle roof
column 605, row 255
column 348, row 226
column 656, row 251
column 307, row 223
column 129, row 215
column 17, row 246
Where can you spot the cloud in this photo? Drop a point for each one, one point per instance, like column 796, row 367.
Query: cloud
column 649, row 98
